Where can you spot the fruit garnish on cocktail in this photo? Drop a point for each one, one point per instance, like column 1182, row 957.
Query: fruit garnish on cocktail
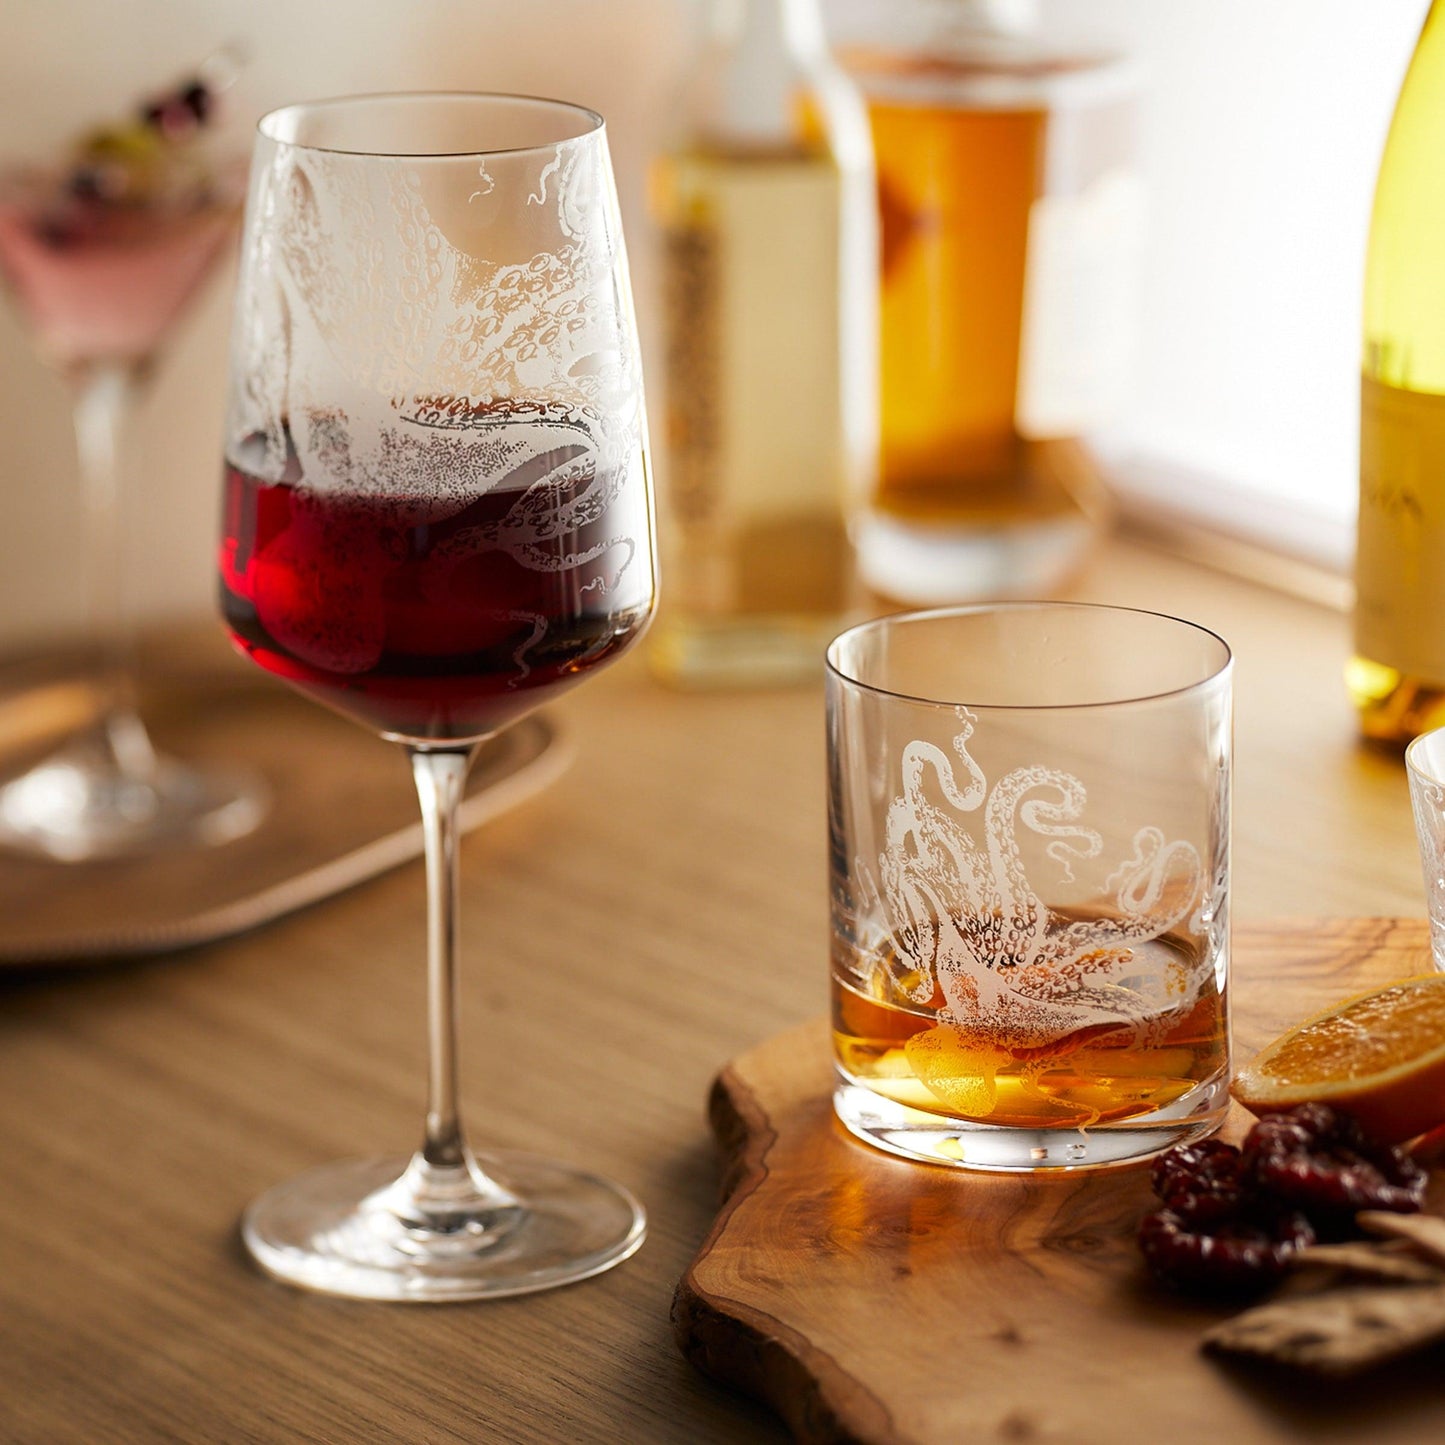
column 101, row 248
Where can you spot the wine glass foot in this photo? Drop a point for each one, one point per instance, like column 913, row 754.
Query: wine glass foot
column 336, row 1229
column 81, row 803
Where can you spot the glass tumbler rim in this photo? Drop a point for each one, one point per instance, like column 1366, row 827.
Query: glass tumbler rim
column 835, row 669
column 269, row 126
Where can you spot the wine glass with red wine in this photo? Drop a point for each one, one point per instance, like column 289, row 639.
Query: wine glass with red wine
column 437, row 518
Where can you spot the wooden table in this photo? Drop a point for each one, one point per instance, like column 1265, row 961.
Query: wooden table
column 658, row 911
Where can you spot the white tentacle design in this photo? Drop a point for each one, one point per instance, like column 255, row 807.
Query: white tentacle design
column 966, row 919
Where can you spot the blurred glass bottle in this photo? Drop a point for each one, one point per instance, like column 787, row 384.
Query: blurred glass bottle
column 1397, row 678
column 1010, row 252
column 770, row 313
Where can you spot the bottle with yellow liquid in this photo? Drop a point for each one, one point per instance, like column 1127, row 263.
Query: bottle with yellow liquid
column 1397, row 678
column 769, row 310
column 1010, row 225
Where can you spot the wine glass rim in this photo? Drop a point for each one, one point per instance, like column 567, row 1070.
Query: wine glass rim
column 268, row 124
column 1419, row 757
column 836, row 669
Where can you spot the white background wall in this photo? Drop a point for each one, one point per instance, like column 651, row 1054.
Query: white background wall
column 1263, row 124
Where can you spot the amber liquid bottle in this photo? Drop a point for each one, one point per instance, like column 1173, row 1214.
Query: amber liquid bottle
column 769, row 309
column 1008, row 219
column 1397, row 678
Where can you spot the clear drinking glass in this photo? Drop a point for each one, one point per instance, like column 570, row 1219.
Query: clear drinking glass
column 1425, row 764
column 102, row 253
column 1029, row 844
column 437, row 518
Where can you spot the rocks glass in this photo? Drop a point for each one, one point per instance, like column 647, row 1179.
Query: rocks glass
column 1029, row 856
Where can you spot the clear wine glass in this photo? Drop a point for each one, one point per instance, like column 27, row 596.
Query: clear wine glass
column 101, row 252
column 437, row 517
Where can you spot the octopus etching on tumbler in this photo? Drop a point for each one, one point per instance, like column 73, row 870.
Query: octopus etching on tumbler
column 1013, row 984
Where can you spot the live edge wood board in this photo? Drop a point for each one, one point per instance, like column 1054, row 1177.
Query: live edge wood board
column 868, row 1299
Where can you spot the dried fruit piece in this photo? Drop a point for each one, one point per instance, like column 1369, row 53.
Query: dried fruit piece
column 1202, row 1183
column 1232, row 1218
column 1379, row 1055
column 1318, row 1160
column 1188, row 1164
column 1230, row 1257
column 1214, row 1234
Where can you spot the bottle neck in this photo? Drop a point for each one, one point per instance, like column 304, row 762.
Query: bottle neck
column 791, row 27
column 995, row 17
column 761, row 57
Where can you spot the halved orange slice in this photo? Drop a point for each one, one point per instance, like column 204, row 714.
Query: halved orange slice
column 1379, row 1056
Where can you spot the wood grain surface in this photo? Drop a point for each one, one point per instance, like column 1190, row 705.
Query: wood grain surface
column 657, row 912
column 872, row 1300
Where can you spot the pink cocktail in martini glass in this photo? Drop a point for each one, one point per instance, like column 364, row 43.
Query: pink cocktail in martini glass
column 101, row 251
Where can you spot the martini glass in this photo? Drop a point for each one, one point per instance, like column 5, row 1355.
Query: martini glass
column 101, row 254
column 437, row 518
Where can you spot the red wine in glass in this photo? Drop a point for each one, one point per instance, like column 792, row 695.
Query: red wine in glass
column 436, row 612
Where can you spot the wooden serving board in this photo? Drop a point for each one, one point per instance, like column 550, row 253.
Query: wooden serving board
column 865, row 1298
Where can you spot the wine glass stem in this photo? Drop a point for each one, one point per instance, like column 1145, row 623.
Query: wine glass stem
column 103, row 397
column 441, row 776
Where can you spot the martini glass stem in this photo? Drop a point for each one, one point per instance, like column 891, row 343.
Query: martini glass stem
column 104, row 396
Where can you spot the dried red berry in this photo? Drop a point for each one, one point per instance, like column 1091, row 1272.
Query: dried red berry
column 1231, row 1257
column 1232, row 1217
column 1188, row 1162
column 1315, row 1159
column 1202, row 1183
column 199, row 99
